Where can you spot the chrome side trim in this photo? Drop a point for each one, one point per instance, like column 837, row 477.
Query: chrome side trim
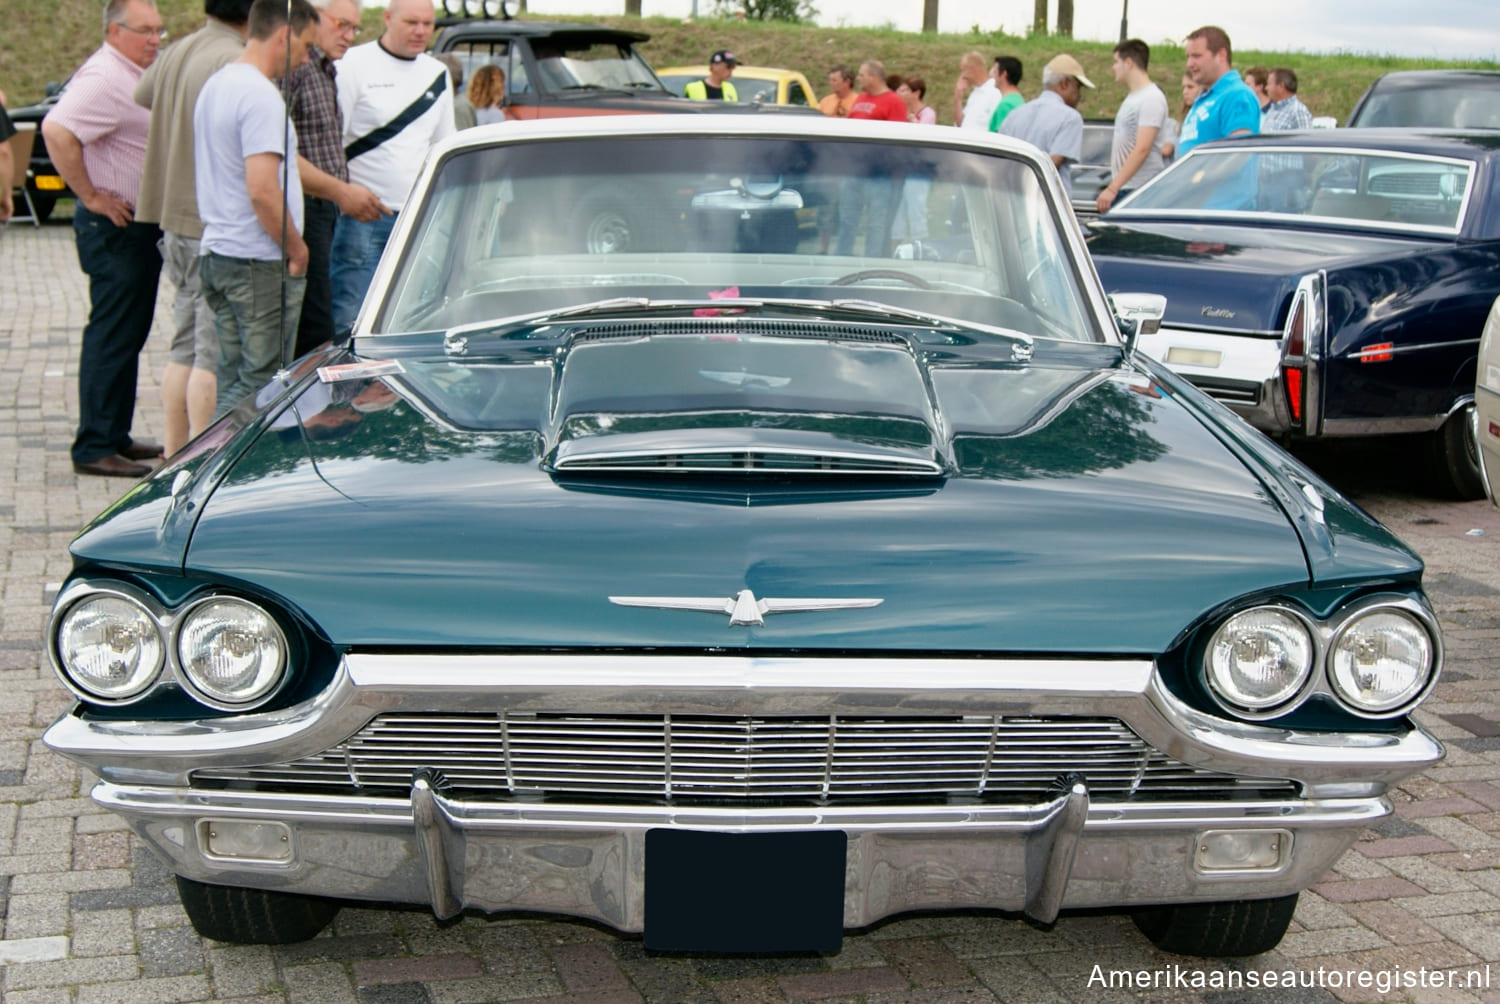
column 1382, row 426
column 1397, row 350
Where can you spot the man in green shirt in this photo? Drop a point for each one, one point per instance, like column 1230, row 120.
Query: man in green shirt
column 1007, row 75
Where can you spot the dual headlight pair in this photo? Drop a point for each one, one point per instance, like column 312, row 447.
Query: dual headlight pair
column 1378, row 660
column 112, row 647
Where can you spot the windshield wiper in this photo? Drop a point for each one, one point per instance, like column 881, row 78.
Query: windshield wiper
column 455, row 340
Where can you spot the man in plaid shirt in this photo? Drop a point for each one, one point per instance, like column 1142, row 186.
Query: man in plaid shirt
column 1286, row 111
column 322, row 167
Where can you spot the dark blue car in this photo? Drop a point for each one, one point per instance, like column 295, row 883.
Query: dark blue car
column 1331, row 283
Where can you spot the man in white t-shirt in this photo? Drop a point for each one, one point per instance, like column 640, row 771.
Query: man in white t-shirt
column 396, row 103
column 250, row 200
column 975, row 111
column 1134, row 156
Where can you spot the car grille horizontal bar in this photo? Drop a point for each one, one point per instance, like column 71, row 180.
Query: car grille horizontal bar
column 1229, row 391
column 842, row 759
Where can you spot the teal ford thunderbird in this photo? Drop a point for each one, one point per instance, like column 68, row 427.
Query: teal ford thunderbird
column 736, row 532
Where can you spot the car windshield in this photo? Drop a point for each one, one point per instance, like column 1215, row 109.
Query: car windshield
column 523, row 227
column 592, row 66
column 1385, row 190
column 1434, row 102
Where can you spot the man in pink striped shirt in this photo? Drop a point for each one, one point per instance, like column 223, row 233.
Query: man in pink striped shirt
column 96, row 136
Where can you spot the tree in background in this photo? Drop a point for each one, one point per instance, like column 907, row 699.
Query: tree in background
column 795, row 11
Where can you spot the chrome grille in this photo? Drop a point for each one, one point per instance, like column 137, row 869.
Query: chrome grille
column 841, row 759
column 1422, row 183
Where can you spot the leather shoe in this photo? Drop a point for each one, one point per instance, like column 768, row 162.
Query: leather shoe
column 141, row 449
column 114, row 466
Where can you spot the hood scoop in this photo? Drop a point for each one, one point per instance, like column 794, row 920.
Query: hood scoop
column 741, row 451
column 737, row 402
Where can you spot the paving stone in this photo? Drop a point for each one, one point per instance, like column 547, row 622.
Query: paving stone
column 69, row 972
column 169, row 990
column 13, row 950
column 240, row 970
column 103, row 932
column 394, row 993
column 814, row 986
column 442, row 967
column 170, row 952
column 322, row 983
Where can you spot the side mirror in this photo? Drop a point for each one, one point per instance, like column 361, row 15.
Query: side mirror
column 1138, row 314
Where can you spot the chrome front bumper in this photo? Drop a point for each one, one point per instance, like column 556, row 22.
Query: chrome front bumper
column 588, row 860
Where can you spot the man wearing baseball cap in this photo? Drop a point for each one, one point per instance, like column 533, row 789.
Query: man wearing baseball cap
column 1051, row 123
column 715, row 86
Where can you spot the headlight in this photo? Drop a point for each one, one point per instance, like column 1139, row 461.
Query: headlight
column 231, row 651
column 1381, row 660
column 110, row 647
column 1259, row 658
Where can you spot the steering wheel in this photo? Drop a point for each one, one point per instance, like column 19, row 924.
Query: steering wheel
column 882, row 273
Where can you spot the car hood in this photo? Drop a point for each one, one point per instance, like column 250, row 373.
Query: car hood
column 1075, row 508
column 1231, row 277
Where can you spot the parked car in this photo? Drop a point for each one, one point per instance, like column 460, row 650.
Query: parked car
column 1325, row 284
column 1487, row 404
column 45, row 186
column 1092, row 173
column 556, row 69
column 738, row 593
column 764, row 84
column 1431, row 99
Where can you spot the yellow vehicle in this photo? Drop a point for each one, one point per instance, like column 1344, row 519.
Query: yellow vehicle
column 767, row 84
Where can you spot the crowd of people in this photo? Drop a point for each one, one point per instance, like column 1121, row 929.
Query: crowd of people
column 269, row 213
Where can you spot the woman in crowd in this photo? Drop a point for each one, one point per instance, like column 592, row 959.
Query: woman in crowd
column 913, row 90
column 486, row 94
column 1167, row 140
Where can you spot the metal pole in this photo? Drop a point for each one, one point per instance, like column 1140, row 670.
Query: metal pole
column 1125, row 21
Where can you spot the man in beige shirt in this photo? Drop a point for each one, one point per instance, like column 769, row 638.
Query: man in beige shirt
column 189, row 388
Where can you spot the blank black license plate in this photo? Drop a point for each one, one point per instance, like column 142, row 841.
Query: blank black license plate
column 744, row 892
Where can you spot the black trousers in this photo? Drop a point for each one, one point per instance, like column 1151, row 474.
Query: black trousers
column 123, row 265
column 316, row 325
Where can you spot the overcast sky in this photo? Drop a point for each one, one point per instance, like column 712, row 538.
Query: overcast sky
column 1453, row 29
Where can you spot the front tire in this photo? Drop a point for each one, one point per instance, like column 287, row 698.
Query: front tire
column 253, row 916
column 1229, row 929
column 1453, row 457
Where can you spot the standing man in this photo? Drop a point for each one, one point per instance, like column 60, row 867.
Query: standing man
column 1006, row 73
column 841, row 93
column 1286, row 111
column 1051, row 122
column 241, row 140
column 1226, row 105
column 873, row 196
column 1133, row 156
column 189, row 387
column 97, row 138
column 322, row 167
column 7, row 130
column 396, row 103
column 975, row 110
column 716, row 86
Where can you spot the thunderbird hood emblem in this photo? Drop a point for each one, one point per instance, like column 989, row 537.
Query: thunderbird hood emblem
column 742, row 608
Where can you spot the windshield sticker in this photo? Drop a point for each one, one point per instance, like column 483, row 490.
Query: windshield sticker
column 359, row 371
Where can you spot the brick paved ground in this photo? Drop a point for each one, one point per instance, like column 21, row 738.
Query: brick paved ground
column 90, row 916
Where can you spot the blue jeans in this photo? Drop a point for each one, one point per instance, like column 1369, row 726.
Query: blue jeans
column 351, row 265
column 123, row 265
column 255, row 332
column 876, row 197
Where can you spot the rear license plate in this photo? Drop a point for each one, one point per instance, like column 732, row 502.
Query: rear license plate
column 744, row 892
column 1194, row 357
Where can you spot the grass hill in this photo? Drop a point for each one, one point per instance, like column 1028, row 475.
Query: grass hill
column 49, row 38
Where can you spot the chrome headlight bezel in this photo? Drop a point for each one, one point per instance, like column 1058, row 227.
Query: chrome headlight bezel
column 170, row 675
column 200, row 691
column 1325, row 634
column 69, row 602
column 1293, row 696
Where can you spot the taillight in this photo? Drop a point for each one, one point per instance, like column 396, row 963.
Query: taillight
column 1300, row 346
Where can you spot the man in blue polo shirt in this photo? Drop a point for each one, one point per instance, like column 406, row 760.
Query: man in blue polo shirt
column 1226, row 105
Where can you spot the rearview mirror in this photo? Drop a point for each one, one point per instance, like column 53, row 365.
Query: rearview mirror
column 1138, row 314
